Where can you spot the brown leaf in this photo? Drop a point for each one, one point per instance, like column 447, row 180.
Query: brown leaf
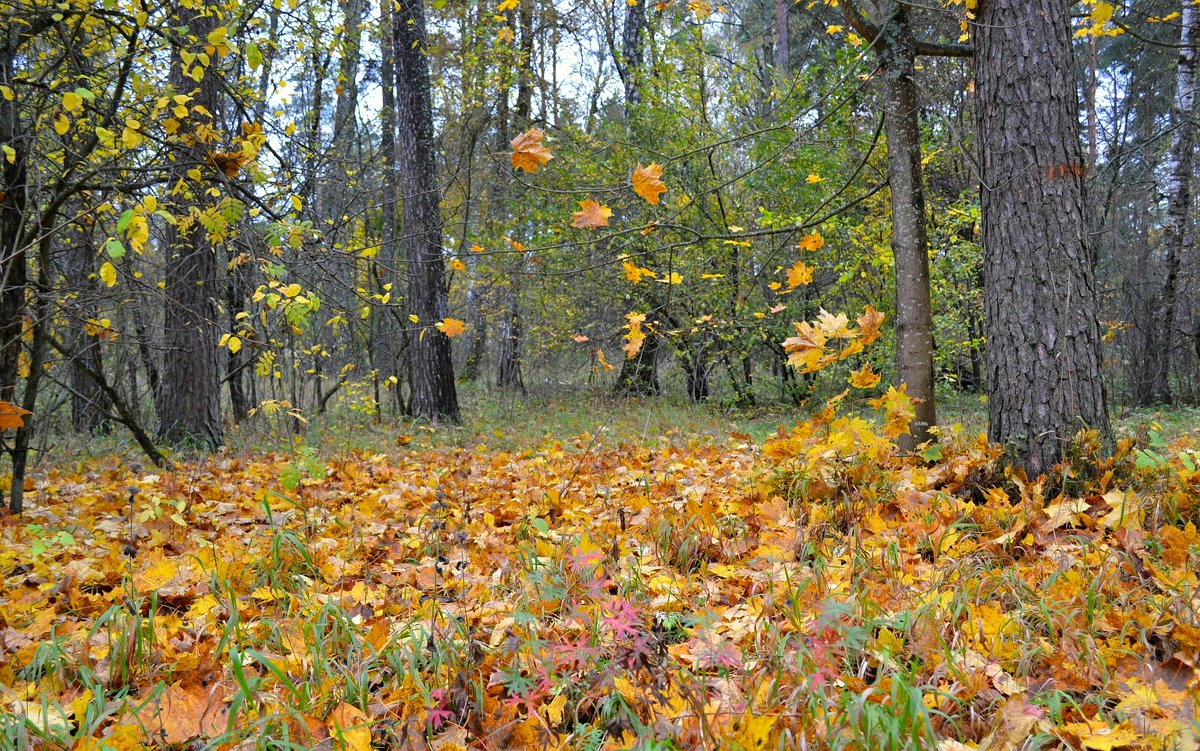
column 186, row 712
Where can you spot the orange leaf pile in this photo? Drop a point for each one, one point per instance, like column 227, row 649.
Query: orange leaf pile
column 731, row 594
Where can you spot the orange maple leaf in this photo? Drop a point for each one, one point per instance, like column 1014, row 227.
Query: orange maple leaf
column 591, row 215
column 798, row 274
column 528, row 152
column 451, row 327
column 12, row 417
column 811, row 242
column 868, row 324
column 647, row 182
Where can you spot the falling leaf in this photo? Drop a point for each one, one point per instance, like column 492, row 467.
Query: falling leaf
column 579, row 338
column 813, row 178
column 864, row 378
column 108, row 273
column 799, row 274
column 635, row 273
column 457, row 265
column 591, row 215
column 451, row 327
column 647, row 182
column 528, row 152
column 811, row 242
column 12, row 417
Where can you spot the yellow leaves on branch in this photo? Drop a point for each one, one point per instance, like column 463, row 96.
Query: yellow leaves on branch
column 807, row 349
column 528, row 152
column 647, row 182
column 591, row 215
column 635, row 335
column 12, row 417
column 451, row 327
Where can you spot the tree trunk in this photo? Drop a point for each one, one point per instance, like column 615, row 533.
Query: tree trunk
column 90, row 406
column 639, row 374
column 13, row 197
column 432, row 371
column 783, row 50
column 630, row 64
column 508, row 355
column 914, row 314
column 1179, row 198
column 1044, row 363
column 189, row 406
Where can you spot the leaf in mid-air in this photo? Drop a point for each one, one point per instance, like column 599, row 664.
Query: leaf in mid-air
column 528, row 152
column 647, row 182
column 591, row 215
column 12, row 417
column 451, row 327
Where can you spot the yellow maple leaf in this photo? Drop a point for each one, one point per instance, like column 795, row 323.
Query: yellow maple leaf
column 635, row 273
column 647, row 182
column 457, row 265
column 528, row 152
column 750, row 733
column 349, row 728
column 864, row 377
column 591, row 215
column 868, row 325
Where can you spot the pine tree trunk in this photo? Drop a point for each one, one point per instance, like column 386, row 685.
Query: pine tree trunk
column 1044, row 365
column 189, row 406
column 432, row 371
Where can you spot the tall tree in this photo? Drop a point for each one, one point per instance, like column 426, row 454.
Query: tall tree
column 432, row 371
column 1179, row 199
column 1040, row 304
column 898, row 48
column 189, row 394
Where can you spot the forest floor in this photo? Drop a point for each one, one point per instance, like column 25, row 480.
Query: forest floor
column 580, row 572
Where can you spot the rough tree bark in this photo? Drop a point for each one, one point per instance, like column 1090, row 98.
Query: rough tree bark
column 1179, row 198
column 90, row 406
column 1044, row 362
column 431, row 369
column 189, row 396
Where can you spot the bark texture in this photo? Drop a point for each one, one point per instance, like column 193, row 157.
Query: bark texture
column 189, row 406
column 431, row 369
column 13, row 197
column 1044, row 363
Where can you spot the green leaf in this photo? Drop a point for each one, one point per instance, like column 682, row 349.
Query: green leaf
column 253, row 56
column 114, row 248
column 126, row 218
